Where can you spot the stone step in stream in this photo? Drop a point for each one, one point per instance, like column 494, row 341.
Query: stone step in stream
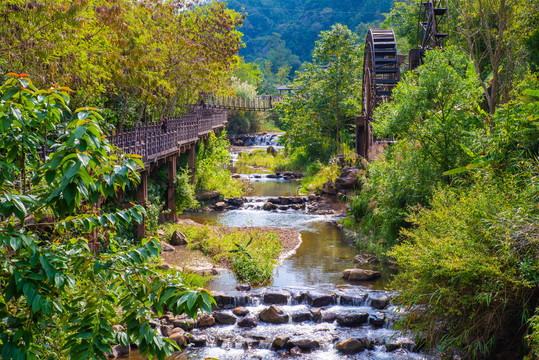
column 350, row 322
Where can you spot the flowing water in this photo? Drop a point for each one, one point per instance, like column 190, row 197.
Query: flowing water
column 307, row 287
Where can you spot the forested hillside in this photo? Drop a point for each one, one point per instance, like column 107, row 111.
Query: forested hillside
column 285, row 31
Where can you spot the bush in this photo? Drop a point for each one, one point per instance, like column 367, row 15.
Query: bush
column 185, row 192
column 211, row 161
column 403, row 177
column 469, row 270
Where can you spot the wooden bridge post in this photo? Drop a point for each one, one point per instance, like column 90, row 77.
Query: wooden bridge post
column 191, row 154
column 142, row 195
column 171, row 200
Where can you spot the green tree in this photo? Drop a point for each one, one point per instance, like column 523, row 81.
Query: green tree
column 321, row 112
column 65, row 278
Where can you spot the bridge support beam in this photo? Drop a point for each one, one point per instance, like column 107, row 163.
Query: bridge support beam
column 191, row 152
column 362, row 136
column 142, row 195
column 171, row 198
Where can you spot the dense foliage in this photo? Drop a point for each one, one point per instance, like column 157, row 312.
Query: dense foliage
column 65, row 279
column 211, row 161
column 139, row 59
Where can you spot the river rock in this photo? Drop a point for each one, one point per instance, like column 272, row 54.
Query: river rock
column 276, row 298
column 273, row 315
column 184, row 322
column 360, row 274
column 180, row 339
column 269, row 206
column 224, row 318
column 329, row 317
column 220, row 206
column 350, row 346
column 312, row 197
column 295, row 351
column 243, row 286
column 273, row 176
column 377, row 320
column 248, row 322
column 271, row 150
column 356, row 300
column 352, row 320
column 207, row 196
column 178, row 238
column 240, row 311
column 399, row 343
column 235, row 176
column 301, row 317
column 166, row 330
column 176, row 331
column 236, row 202
column 167, row 247
column 380, row 302
column 362, row 259
column 119, row 350
column 230, row 300
column 280, row 341
column 205, row 320
column 348, row 179
column 198, row 341
column 305, row 345
column 319, row 300
column 316, row 315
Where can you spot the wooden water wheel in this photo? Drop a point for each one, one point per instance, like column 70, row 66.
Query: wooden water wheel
column 431, row 30
column 380, row 75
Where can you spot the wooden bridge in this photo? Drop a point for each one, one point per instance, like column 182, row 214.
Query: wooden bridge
column 258, row 103
column 159, row 147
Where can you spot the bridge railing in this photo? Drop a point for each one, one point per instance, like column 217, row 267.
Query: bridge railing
column 258, row 103
column 151, row 141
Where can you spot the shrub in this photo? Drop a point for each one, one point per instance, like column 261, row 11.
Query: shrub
column 469, row 269
column 185, row 192
column 211, row 161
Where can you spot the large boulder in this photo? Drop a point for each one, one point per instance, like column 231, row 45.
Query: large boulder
column 179, row 338
column 360, row 274
column 178, row 238
column 273, row 315
column 301, row 317
column 350, row 346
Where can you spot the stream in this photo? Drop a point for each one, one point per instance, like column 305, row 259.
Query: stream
column 318, row 309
